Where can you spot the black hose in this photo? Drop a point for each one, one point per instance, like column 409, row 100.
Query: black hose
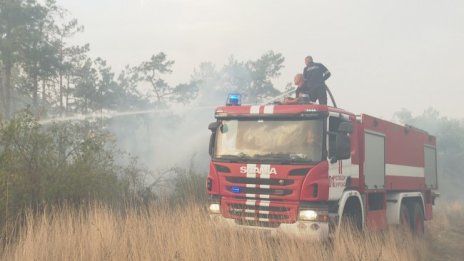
column 331, row 96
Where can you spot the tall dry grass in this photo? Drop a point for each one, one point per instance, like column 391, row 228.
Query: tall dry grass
column 160, row 232
column 445, row 233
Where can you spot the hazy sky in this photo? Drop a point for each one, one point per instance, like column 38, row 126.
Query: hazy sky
column 383, row 55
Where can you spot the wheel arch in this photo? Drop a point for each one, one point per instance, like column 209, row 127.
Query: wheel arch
column 394, row 201
column 347, row 196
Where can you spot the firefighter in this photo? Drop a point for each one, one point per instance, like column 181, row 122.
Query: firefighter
column 314, row 75
column 302, row 92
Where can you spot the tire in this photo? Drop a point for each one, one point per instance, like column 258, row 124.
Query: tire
column 405, row 219
column 351, row 224
column 352, row 218
column 417, row 219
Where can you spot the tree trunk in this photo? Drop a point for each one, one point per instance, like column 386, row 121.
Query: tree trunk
column 35, row 78
column 61, row 77
column 35, row 88
column 8, row 68
column 67, row 93
column 61, row 93
column 44, row 99
column 2, row 92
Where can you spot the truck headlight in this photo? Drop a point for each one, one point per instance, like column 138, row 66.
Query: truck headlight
column 308, row 215
column 214, row 208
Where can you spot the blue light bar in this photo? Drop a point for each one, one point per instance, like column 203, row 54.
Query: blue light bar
column 236, row 189
column 234, row 99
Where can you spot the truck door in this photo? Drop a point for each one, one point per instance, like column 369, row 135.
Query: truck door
column 374, row 173
column 374, row 161
column 430, row 167
column 341, row 171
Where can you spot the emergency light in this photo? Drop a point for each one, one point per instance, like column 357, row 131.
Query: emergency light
column 236, row 189
column 234, row 99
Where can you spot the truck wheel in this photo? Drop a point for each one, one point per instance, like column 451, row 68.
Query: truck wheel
column 405, row 219
column 417, row 220
column 351, row 222
column 352, row 217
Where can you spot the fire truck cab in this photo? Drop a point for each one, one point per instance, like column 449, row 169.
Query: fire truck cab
column 304, row 169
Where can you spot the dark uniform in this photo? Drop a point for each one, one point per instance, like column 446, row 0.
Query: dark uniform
column 314, row 76
column 302, row 89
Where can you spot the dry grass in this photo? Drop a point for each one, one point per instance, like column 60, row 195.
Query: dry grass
column 445, row 234
column 163, row 233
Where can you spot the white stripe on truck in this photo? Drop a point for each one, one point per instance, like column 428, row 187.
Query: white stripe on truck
column 254, row 109
column 403, row 171
column 269, row 109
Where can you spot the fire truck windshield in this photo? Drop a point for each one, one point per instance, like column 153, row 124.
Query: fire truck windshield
column 270, row 141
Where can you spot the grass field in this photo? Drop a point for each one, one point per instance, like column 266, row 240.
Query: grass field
column 164, row 233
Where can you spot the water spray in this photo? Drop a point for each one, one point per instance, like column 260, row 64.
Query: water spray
column 278, row 97
column 111, row 114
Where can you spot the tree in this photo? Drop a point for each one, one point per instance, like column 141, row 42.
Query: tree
column 66, row 54
column 97, row 89
column 130, row 98
column 254, row 78
column 34, row 49
column 236, row 75
column 185, row 92
column 15, row 19
column 211, row 83
column 151, row 71
column 85, row 90
column 76, row 59
column 111, row 94
column 39, row 55
column 263, row 70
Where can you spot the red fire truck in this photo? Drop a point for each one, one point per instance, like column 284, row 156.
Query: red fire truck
column 304, row 169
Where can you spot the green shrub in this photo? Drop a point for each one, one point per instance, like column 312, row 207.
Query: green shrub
column 57, row 163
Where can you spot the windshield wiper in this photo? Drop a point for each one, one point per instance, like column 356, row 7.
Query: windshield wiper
column 272, row 155
column 235, row 157
column 284, row 158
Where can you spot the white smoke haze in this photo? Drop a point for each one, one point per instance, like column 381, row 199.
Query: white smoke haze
column 174, row 137
column 161, row 140
column 389, row 53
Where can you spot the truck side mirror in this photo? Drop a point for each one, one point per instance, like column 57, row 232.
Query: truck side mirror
column 345, row 127
column 213, row 128
column 212, row 140
column 342, row 146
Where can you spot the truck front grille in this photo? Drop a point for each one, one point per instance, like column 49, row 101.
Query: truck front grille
column 243, row 207
column 257, row 216
column 261, row 212
column 279, row 192
column 274, row 182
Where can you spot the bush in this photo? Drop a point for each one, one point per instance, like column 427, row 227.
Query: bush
column 189, row 187
column 57, row 163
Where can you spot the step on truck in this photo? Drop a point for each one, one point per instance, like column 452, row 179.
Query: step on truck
column 304, row 169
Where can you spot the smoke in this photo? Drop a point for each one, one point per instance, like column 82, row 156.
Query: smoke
column 174, row 137
column 165, row 139
column 177, row 134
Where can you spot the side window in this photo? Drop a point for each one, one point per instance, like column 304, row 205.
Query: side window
column 334, row 122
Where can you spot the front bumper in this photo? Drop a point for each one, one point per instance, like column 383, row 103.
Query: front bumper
column 311, row 230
